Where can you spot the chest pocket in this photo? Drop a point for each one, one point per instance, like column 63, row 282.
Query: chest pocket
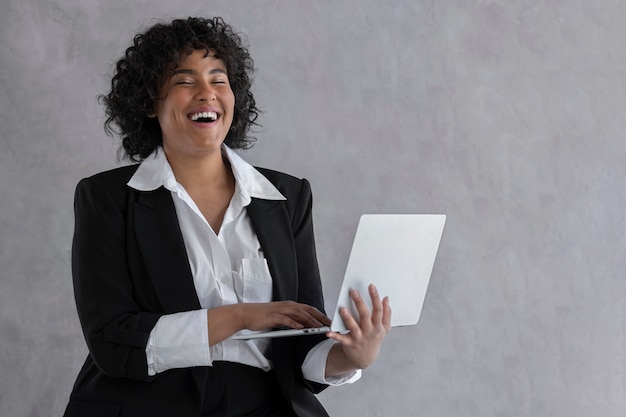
column 257, row 281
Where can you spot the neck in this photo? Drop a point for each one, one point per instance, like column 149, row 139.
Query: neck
column 206, row 171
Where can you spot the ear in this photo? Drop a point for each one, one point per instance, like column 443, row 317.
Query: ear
column 152, row 112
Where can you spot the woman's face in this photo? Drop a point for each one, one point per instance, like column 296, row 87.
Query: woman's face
column 195, row 106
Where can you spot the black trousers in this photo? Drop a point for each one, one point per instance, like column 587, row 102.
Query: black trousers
column 237, row 390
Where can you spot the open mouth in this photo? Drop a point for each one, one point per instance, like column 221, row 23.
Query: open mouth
column 204, row 117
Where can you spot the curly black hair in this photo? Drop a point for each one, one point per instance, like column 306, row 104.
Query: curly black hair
column 148, row 62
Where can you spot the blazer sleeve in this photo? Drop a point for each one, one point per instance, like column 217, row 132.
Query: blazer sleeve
column 309, row 281
column 115, row 328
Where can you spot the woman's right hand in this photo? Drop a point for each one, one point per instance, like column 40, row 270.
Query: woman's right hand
column 261, row 316
column 227, row 320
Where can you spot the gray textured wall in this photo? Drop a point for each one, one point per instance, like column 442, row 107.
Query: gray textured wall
column 506, row 115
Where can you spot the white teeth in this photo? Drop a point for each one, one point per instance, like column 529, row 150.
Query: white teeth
column 211, row 115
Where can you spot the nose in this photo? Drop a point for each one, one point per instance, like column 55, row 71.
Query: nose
column 205, row 92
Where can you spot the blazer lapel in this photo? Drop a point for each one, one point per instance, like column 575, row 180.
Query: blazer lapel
column 273, row 228
column 162, row 248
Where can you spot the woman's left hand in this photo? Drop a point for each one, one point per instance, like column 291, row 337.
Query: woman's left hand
column 359, row 348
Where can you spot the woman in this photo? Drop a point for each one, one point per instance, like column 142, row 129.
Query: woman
column 175, row 255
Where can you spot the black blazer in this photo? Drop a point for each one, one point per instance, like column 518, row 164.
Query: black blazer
column 130, row 267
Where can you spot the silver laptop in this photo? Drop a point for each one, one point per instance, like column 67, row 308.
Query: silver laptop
column 395, row 252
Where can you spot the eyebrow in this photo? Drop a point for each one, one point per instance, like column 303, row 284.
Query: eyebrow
column 193, row 72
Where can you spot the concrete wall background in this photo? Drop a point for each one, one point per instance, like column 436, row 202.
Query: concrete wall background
column 506, row 115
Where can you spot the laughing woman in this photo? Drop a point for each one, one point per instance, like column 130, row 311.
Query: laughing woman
column 174, row 255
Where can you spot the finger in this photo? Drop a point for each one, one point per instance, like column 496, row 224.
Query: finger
column 377, row 307
column 318, row 315
column 282, row 313
column 386, row 314
column 306, row 319
column 288, row 322
column 344, row 339
column 361, row 308
column 350, row 322
column 306, row 315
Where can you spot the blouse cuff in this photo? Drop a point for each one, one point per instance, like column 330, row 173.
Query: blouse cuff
column 314, row 366
column 179, row 340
